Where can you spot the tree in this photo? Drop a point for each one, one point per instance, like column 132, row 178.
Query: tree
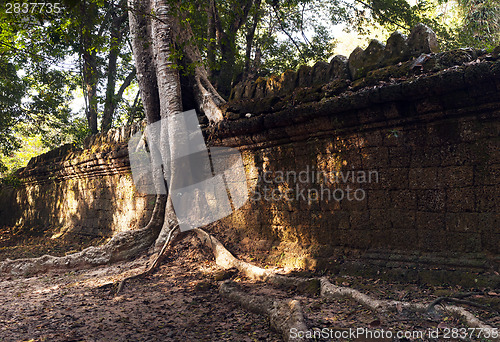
column 11, row 91
column 171, row 80
column 238, row 29
column 34, row 94
column 83, row 45
column 99, row 32
column 457, row 23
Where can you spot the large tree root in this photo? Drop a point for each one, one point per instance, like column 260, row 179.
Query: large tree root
column 123, row 246
column 283, row 315
column 327, row 290
column 156, row 262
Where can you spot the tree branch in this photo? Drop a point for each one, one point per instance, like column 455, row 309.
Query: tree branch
column 126, row 83
column 383, row 16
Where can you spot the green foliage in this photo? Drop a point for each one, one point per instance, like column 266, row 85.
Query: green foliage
column 460, row 23
column 480, row 26
column 11, row 91
column 36, row 86
column 29, row 147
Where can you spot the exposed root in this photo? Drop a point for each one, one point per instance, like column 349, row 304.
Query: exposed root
column 225, row 259
column 284, row 315
column 122, row 246
column 327, row 290
column 154, row 264
column 458, row 301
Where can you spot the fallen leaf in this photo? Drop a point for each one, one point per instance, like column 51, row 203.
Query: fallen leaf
column 374, row 324
column 443, row 325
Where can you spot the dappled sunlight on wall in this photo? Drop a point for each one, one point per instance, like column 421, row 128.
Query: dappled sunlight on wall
column 89, row 191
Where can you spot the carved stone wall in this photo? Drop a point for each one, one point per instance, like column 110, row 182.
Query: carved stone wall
column 85, row 191
column 426, row 130
column 432, row 138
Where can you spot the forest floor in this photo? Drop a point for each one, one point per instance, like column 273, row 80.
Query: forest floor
column 181, row 302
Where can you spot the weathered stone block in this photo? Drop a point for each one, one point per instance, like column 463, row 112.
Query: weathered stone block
column 288, row 81
column 430, row 238
column 401, row 219
column 396, row 48
column 361, row 61
column 304, row 76
column 374, row 157
column 457, row 176
column 424, row 178
column 394, row 178
column 379, row 219
column 491, row 242
column 260, row 88
column 404, row 199
column 425, row 157
column 378, row 199
column 359, row 220
column 462, row 222
column 456, row 57
column 339, row 68
column 320, row 73
column 249, row 91
column 431, row 200
column 461, row 199
column 487, row 199
column 399, row 156
column 273, row 85
column 422, row 40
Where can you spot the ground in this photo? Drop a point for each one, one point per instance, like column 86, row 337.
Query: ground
column 180, row 302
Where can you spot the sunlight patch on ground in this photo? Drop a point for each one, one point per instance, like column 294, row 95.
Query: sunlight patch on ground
column 47, row 290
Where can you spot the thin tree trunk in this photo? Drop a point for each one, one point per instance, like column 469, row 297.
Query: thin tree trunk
column 211, row 35
column 90, row 70
column 107, row 115
column 250, row 37
column 116, row 36
column 140, row 29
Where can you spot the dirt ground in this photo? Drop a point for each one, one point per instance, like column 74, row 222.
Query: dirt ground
column 180, row 302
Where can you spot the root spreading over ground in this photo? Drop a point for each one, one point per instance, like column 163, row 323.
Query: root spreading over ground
column 203, row 292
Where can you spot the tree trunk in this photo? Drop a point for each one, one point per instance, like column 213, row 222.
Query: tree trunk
column 250, row 37
column 116, row 35
column 211, row 36
column 90, row 70
column 154, row 39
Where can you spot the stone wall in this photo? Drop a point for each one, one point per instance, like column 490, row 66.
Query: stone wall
column 433, row 139
column 400, row 56
column 86, row 191
column 426, row 130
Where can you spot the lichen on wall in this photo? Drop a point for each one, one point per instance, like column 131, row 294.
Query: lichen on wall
column 86, row 191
